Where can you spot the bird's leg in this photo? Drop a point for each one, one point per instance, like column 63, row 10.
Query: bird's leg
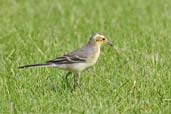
column 66, row 77
column 77, row 80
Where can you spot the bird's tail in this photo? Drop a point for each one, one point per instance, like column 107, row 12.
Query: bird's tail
column 35, row 65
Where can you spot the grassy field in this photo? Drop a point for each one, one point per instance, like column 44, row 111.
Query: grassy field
column 132, row 77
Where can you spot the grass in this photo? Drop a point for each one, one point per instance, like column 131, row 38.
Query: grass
column 132, row 77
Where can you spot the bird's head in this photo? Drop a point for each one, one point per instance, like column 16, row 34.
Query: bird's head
column 99, row 39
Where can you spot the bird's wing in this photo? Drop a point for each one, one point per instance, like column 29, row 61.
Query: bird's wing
column 78, row 56
column 69, row 59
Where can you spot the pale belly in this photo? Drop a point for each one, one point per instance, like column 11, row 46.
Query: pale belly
column 80, row 66
column 76, row 67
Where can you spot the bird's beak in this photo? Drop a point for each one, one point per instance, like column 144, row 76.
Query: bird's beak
column 109, row 43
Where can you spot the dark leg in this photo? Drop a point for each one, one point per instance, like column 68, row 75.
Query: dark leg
column 77, row 80
column 66, row 78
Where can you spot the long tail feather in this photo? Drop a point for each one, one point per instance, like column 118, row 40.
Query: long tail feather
column 35, row 65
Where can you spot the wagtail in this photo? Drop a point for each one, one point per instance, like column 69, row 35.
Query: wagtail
column 78, row 60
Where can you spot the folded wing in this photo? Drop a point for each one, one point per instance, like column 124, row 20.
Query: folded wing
column 68, row 59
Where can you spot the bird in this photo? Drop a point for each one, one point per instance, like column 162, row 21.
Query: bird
column 79, row 60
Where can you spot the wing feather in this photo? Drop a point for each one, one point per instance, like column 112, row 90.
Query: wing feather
column 79, row 56
column 68, row 59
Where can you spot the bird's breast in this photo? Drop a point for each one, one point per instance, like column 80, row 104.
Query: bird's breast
column 93, row 59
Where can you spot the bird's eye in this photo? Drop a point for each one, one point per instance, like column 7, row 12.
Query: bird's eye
column 103, row 39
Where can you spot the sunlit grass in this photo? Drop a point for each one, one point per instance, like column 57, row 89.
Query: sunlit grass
column 131, row 77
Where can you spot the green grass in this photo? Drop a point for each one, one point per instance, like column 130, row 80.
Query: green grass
column 132, row 77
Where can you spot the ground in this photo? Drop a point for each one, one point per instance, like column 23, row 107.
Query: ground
column 132, row 77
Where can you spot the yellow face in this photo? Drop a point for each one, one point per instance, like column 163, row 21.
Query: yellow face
column 100, row 39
